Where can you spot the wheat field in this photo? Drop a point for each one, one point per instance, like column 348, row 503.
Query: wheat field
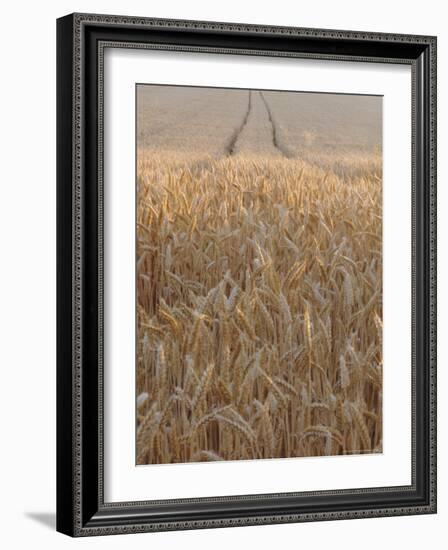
column 259, row 294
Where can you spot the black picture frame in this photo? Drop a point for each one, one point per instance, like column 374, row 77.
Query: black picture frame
column 81, row 510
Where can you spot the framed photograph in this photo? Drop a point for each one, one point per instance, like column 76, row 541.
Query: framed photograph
column 246, row 274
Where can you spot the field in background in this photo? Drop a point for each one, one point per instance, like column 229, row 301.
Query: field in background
column 258, row 274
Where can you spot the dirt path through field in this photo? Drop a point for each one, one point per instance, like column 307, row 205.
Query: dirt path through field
column 257, row 134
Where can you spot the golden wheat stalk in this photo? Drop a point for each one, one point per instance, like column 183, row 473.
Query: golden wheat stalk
column 258, row 326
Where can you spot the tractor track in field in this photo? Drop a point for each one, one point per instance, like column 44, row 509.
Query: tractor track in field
column 236, row 135
column 275, row 141
column 232, row 147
